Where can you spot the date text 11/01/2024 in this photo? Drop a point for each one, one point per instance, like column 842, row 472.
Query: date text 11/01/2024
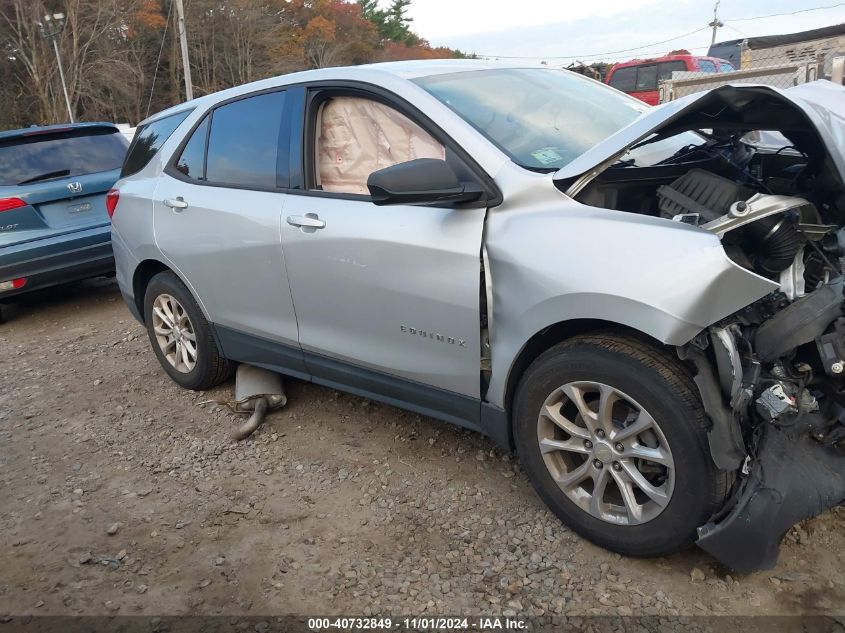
column 479, row 623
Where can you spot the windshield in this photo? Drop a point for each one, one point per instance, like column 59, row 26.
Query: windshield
column 54, row 155
column 541, row 118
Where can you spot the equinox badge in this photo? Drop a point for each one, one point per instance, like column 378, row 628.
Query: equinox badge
column 451, row 340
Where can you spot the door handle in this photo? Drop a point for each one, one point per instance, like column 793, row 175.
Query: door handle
column 177, row 204
column 307, row 221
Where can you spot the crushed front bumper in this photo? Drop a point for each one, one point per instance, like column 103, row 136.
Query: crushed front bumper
column 789, row 479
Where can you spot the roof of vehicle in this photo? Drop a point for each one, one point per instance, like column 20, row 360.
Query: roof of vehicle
column 36, row 130
column 666, row 58
column 404, row 69
column 768, row 41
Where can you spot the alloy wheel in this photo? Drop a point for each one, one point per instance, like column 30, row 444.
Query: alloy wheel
column 606, row 453
column 174, row 333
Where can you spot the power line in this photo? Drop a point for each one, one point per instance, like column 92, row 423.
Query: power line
column 624, row 50
column 733, row 28
column 158, row 59
column 671, row 39
column 775, row 15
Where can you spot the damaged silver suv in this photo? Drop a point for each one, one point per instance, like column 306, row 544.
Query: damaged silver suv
column 645, row 303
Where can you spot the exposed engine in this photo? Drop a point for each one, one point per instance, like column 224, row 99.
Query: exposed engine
column 780, row 360
column 771, row 376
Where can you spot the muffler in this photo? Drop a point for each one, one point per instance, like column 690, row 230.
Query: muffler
column 257, row 391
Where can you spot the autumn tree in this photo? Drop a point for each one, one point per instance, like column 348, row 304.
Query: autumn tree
column 122, row 61
column 322, row 33
column 105, row 49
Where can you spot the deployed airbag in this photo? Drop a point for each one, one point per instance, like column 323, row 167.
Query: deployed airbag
column 359, row 136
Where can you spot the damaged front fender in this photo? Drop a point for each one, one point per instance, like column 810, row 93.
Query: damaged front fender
column 549, row 265
column 791, row 478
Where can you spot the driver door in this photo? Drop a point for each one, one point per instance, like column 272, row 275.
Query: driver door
column 386, row 297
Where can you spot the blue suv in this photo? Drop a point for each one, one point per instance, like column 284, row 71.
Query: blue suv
column 54, row 220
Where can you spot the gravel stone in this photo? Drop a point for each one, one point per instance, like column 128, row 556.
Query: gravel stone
column 366, row 508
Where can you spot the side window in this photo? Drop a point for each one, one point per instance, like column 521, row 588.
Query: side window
column 725, row 67
column 148, row 140
column 706, row 66
column 356, row 136
column 192, row 161
column 624, row 79
column 665, row 69
column 244, row 140
column 646, row 78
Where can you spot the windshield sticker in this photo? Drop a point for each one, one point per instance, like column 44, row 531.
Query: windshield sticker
column 546, row 155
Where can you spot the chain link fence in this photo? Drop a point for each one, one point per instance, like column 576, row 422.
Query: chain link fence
column 779, row 61
column 779, row 66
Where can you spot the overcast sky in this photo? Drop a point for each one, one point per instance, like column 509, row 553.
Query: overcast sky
column 587, row 29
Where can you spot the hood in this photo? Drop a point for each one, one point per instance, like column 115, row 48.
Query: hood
column 797, row 112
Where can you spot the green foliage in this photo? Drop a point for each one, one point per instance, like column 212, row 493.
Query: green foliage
column 393, row 24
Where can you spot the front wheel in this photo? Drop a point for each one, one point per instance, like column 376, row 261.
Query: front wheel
column 613, row 437
column 180, row 336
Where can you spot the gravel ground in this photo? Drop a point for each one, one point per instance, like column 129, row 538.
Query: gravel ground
column 122, row 494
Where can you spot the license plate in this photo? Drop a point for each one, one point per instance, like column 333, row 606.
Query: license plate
column 80, row 208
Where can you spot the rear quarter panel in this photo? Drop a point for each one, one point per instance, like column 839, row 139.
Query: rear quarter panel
column 133, row 240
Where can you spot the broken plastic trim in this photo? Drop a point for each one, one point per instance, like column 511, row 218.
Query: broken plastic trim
column 791, row 478
column 725, row 439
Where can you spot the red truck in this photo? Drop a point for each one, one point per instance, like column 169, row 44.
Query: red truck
column 639, row 77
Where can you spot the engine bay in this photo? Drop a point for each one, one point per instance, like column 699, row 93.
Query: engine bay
column 772, row 375
column 779, row 213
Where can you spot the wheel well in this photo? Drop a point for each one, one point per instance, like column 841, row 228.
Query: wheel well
column 145, row 271
column 553, row 335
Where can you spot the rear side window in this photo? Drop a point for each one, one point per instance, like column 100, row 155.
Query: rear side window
column 726, row 67
column 55, row 155
column 665, row 69
column 244, row 141
column 706, row 66
column 624, row 79
column 192, row 161
column 646, row 78
column 148, row 140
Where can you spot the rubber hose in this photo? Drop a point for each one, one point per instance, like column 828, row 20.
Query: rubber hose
column 778, row 245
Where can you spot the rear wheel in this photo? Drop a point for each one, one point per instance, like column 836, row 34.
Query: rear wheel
column 180, row 336
column 613, row 437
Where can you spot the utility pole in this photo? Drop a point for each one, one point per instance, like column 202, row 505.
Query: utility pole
column 183, row 42
column 715, row 23
column 51, row 29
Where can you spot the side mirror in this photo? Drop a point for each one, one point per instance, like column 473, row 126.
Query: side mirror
column 420, row 181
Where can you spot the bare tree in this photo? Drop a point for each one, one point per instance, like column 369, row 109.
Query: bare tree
column 121, row 57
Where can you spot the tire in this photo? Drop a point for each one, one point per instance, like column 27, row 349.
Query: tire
column 685, row 489
column 203, row 369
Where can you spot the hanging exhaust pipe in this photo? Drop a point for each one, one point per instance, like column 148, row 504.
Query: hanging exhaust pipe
column 255, row 420
column 257, row 391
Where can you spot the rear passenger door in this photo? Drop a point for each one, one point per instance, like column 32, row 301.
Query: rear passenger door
column 217, row 212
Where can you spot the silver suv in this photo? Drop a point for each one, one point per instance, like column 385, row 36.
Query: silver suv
column 644, row 303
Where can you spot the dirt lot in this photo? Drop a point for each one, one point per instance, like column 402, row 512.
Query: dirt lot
column 121, row 493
